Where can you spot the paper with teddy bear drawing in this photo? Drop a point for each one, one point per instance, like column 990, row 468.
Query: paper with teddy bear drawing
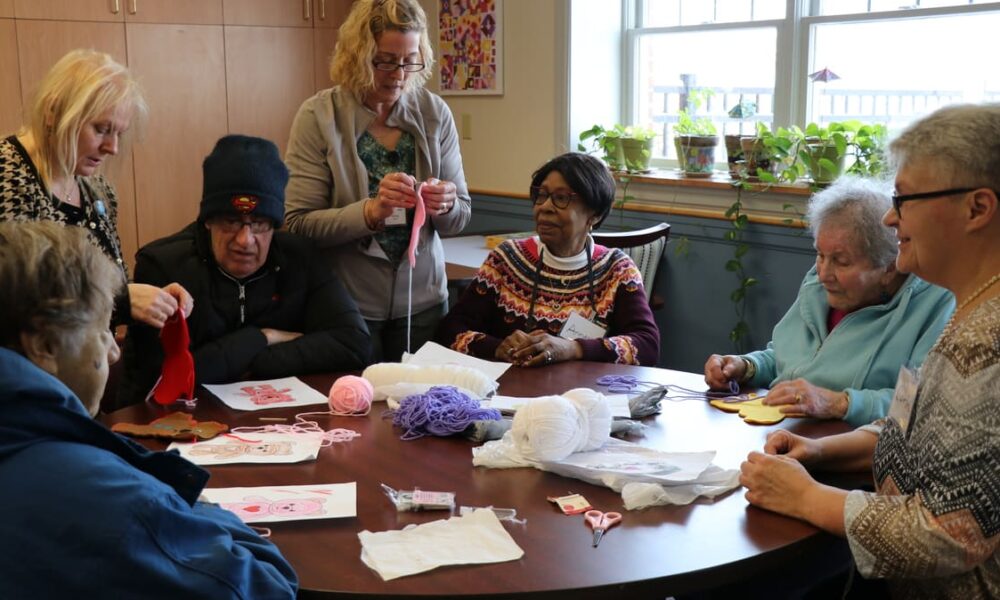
column 267, row 448
column 273, row 393
column 287, row 502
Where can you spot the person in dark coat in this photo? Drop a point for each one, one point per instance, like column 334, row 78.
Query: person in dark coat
column 89, row 513
column 265, row 305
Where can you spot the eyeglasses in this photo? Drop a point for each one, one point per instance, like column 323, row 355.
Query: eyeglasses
column 389, row 66
column 561, row 199
column 235, row 224
column 897, row 200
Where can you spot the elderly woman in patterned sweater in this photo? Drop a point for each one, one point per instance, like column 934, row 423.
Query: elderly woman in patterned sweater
column 558, row 296
column 932, row 528
column 51, row 170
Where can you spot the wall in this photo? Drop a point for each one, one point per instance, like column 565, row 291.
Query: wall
column 513, row 134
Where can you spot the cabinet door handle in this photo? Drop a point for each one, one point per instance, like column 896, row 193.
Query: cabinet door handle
column 322, row 10
column 116, row 7
column 135, row 7
column 306, row 10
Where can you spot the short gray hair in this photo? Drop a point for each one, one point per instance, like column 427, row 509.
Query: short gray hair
column 962, row 141
column 858, row 204
column 56, row 282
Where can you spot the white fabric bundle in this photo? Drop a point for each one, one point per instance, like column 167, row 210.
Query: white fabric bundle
column 383, row 376
column 553, row 427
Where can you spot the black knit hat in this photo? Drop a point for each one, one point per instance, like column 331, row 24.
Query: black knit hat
column 244, row 175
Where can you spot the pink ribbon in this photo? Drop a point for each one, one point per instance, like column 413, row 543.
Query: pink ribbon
column 419, row 218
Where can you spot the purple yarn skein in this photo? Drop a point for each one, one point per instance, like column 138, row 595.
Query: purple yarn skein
column 442, row 411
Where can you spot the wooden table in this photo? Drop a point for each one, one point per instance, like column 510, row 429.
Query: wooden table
column 653, row 553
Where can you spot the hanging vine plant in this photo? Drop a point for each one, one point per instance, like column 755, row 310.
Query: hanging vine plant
column 739, row 222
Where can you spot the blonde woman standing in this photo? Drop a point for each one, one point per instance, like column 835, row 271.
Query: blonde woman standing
column 356, row 154
column 51, row 170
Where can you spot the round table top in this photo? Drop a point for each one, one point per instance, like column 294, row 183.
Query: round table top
column 654, row 552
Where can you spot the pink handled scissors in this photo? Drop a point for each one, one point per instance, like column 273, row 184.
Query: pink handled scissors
column 601, row 522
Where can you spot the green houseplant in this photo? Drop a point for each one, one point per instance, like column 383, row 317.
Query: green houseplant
column 623, row 148
column 695, row 138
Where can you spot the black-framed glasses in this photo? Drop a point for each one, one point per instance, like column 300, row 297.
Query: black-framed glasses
column 897, row 200
column 390, row 66
column 235, row 224
column 561, row 199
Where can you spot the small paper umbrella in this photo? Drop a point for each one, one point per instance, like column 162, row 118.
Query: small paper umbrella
column 824, row 75
column 743, row 110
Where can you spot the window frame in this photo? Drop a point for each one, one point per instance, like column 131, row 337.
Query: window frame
column 794, row 48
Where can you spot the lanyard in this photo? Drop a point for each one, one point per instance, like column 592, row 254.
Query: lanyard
column 530, row 323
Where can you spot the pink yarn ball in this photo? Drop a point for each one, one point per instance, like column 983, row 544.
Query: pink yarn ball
column 351, row 395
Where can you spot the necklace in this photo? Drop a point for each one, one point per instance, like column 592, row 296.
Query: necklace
column 978, row 292
column 68, row 191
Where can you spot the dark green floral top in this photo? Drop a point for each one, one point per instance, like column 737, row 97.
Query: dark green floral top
column 381, row 161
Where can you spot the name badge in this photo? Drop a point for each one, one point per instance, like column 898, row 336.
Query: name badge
column 904, row 396
column 577, row 327
column 398, row 217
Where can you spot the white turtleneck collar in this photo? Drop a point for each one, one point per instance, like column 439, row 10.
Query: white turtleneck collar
column 565, row 263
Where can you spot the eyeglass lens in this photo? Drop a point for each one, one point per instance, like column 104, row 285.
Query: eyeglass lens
column 235, row 225
column 392, row 66
column 560, row 199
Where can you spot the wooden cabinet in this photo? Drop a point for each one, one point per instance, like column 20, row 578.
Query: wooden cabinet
column 262, row 106
column 72, row 10
column 208, row 67
column 290, row 39
column 189, row 12
column 10, row 85
column 182, row 69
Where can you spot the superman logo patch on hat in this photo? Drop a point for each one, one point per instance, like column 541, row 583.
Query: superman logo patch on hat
column 244, row 203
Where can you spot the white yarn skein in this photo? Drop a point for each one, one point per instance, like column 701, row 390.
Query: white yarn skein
column 549, row 429
column 595, row 406
column 384, row 374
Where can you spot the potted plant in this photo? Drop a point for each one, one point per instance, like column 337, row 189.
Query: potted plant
column 637, row 148
column 824, row 150
column 623, row 148
column 607, row 142
column 695, row 138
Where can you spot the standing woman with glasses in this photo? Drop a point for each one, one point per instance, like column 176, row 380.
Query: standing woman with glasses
column 52, row 169
column 357, row 153
column 558, row 296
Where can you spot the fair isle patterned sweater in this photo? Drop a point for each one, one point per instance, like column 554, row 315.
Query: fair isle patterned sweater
column 498, row 303
column 933, row 529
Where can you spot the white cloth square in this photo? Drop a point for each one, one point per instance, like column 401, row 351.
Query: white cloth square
column 476, row 538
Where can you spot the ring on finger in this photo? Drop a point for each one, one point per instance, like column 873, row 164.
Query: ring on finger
column 798, row 398
column 548, row 356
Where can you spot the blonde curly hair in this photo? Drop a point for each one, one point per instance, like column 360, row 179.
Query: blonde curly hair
column 351, row 65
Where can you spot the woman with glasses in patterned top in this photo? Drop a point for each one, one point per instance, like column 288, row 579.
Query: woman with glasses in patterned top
column 557, row 296
column 357, row 153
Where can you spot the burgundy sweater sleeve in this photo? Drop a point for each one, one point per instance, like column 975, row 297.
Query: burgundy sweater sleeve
column 469, row 325
column 633, row 337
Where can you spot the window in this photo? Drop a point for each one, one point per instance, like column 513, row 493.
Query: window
column 796, row 61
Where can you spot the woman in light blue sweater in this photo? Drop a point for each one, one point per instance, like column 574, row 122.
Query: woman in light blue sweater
column 837, row 351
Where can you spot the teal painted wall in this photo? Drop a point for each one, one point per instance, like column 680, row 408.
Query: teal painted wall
column 697, row 316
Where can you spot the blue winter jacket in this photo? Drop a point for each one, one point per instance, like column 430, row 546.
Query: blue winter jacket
column 90, row 514
column 863, row 353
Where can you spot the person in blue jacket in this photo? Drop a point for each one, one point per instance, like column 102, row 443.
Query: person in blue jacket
column 86, row 512
column 837, row 351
